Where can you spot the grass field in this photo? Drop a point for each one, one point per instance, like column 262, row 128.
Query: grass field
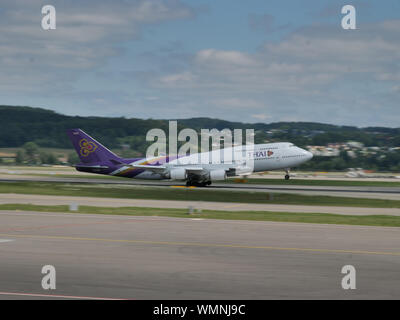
column 387, row 221
column 332, row 183
column 293, row 181
column 195, row 194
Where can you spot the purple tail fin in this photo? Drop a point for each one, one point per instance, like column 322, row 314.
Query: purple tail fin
column 88, row 149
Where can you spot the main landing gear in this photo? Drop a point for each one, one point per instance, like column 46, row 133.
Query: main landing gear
column 190, row 183
column 287, row 176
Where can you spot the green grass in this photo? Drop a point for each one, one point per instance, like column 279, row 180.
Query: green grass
column 376, row 220
column 185, row 194
column 293, row 181
column 40, row 169
column 68, row 173
column 332, row 183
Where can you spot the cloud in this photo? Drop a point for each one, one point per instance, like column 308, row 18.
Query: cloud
column 310, row 56
column 215, row 58
column 334, row 9
column 322, row 67
column 87, row 35
column 177, row 79
column 260, row 116
column 318, row 72
column 237, row 103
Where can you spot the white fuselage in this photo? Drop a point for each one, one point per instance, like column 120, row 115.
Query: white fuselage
column 247, row 158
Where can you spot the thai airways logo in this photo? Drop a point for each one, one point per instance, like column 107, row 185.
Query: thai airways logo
column 261, row 154
column 87, row 147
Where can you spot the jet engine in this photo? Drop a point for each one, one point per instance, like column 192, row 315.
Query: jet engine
column 178, row 174
column 216, row 175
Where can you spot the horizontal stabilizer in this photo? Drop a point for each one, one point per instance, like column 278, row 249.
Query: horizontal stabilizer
column 91, row 167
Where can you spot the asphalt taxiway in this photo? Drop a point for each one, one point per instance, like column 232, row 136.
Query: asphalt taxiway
column 47, row 200
column 387, row 193
column 99, row 256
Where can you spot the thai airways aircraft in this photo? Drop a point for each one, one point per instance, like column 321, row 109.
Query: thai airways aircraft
column 199, row 169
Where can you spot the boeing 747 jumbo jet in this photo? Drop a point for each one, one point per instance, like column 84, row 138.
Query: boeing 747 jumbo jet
column 196, row 169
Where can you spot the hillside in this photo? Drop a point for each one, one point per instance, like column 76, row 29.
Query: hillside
column 47, row 128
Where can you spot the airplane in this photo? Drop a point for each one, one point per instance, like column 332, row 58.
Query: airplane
column 196, row 169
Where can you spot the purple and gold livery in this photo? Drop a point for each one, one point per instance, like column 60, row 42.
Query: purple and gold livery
column 87, row 147
column 96, row 158
column 194, row 169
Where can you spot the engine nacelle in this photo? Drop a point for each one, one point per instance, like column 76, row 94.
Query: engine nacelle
column 216, row 175
column 178, row 174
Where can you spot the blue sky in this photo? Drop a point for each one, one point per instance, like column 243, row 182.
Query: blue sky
column 251, row 61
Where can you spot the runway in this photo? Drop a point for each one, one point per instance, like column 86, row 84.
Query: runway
column 47, row 200
column 168, row 258
column 387, row 193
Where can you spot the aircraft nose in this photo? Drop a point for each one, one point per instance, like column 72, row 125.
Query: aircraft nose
column 308, row 154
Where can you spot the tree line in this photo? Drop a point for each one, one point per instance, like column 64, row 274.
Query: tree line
column 26, row 127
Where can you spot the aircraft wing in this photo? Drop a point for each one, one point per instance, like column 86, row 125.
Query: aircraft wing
column 158, row 169
column 218, row 171
column 243, row 170
column 90, row 167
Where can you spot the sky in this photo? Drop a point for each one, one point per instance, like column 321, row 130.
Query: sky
column 249, row 61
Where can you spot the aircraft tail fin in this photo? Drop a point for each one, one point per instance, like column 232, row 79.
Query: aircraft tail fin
column 89, row 150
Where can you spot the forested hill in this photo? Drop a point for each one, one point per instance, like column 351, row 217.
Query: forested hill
column 47, row 128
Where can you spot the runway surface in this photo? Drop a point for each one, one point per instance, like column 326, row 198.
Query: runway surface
column 47, row 200
column 169, row 258
column 388, row 193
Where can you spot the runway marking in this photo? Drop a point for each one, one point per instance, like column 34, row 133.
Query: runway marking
column 193, row 244
column 54, row 296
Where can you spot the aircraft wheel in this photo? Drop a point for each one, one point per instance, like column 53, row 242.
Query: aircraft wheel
column 287, row 177
column 197, row 184
column 200, row 184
